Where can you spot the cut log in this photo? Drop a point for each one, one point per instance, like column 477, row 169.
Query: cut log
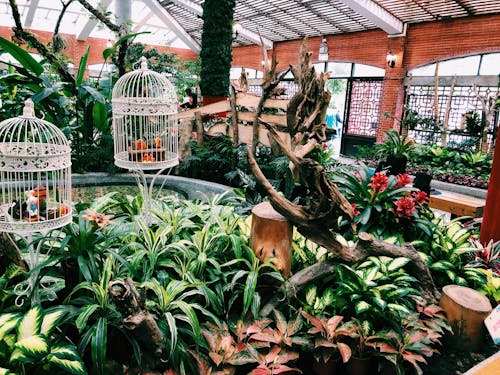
column 466, row 310
column 271, row 237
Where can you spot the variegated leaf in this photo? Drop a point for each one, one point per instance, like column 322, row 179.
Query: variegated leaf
column 30, row 323
column 50, row 320
column 33, row 346
column 72, row 366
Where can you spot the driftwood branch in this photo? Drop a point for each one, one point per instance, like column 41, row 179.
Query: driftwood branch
column 317, row 217
column 365, row 247
column 137, row 319
column 21, row 36
column 119, row 30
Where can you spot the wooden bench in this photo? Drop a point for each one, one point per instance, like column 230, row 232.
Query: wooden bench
column 457, row 204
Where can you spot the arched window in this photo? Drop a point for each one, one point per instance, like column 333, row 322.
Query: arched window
column 458, row 121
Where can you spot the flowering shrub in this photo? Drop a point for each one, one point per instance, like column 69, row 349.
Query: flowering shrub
column 386, row 206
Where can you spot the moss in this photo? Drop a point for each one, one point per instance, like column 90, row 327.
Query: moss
column 216, row 50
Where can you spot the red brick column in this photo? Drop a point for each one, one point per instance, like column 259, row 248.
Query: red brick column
column 393, row 90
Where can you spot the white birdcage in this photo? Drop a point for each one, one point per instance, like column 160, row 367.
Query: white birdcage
column 35, row 175
column 144, row 131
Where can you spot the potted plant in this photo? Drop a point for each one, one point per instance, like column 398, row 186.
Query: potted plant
column 396, row 150
column 407, row 346
column 328, row 349
column 361, row 361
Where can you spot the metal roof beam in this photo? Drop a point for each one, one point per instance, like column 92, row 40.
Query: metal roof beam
column 31, row 13
column 171, row 23
column 243, row 32
column 142, row 22
column 189, row 5
column 92, row 23
column 376, row 14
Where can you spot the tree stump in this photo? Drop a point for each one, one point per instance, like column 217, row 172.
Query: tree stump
column 466, row 310
column 271, row 237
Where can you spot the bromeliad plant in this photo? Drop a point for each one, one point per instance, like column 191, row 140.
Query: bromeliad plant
column 28, row 344
column 384, row 205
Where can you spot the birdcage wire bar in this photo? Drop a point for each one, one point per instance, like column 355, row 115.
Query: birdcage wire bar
column 144, row 129
column 35, row 176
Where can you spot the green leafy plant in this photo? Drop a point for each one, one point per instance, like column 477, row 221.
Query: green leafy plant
column 448, row 253
column 29, row 345
column 394, row 145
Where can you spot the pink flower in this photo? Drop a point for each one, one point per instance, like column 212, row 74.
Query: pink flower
column 405, row 207
column 403, row 180
column 379, row 182
column 420, row 197
column 358, row 175
column 356, row 212
column 100, row 219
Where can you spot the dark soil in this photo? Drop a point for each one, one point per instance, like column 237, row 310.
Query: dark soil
column 454, row 361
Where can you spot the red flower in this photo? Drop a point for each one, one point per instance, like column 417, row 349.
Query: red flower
column 405, row 206
column 356, row 212
column 358, row 175
column 421, row 197
column 379, row 182
column 403, row 179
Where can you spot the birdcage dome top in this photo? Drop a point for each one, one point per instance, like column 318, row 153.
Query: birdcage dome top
column 27, row 136
column 140, row 90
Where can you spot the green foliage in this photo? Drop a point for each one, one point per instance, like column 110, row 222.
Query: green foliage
column 181, row 73
column 28, row 344
column 394, row 145
column 217, row 160
column 448, row 253
column 216, row 49
column 80, row 110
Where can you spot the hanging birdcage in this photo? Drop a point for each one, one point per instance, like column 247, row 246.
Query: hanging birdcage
column 144, row 131
column 35, row 174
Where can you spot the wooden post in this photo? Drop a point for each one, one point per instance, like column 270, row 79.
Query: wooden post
column 199, row 127
column 466, row 310
column 186, row 130
column 271, row 237
column 234, row 118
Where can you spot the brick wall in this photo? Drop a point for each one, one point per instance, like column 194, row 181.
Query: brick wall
column 76, row 48
column 424, row 43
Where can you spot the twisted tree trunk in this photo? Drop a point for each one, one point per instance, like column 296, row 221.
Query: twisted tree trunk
column 318, row 220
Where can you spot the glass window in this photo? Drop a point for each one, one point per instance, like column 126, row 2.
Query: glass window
column 339, row 69
column 319, row 67
column 466, row 66
column 362, row 70
column 235, row 73
column 423, row 71
column 490, row 64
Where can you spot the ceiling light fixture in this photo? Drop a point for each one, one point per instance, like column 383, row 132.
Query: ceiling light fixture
column 391, row 60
